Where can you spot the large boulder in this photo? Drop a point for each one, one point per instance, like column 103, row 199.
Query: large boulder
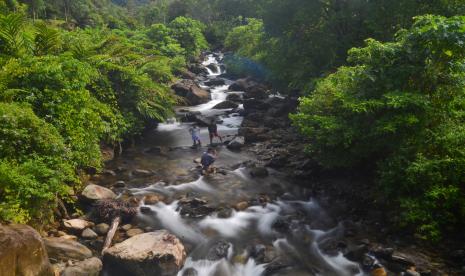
column 22, row 252
column 255, row 104
column 215, row 68
column 153, row 253
column 94, row 192
column 251, row 88
column 182, row 87
column 253, row 134
column 198, row 69
column 234, row 97
column 225, row 105
column 197, row 96
column 191, row 91
column 64, row 249
column 237, row 143
column 88, row 267
column 240, row 85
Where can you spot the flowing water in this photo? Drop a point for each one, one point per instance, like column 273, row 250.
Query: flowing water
column 282, row 223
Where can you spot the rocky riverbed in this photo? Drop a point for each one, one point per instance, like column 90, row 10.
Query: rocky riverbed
column 269, row 210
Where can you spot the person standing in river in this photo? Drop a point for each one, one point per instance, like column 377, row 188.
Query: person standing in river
column 207, row 160
column 213, row 131
column 194, row 131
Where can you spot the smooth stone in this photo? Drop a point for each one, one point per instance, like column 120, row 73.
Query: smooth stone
column 22, row 252
column 126, row 227
column 76, row 224
column 95, row 192
column 102, row 228
column 241, row 206
column 154, row 253
column 140, row 172
column 89, row 234
column 88, row 267
column 134, row 232
column 63, row 249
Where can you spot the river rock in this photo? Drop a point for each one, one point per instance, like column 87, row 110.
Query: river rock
column 102, row 228
column 126, row 227
column 241, row 206
column 218, row 251
column 253, row 134
column 234, row 97
column 87, row 267
column 186, row 74
column 225, row 105
column 213, row 67
column 152, row 199
column 141, row 173
column 194, row 208
column 237, row 143
column 190, row 271
column 197, row 96
column 215, row 82
column 119, row 184
column 182, row 87
column 255, row 104
column 258, row 172
column 22, row 252
column 89, row 234
column 153, row 253
column 63, row 249
column 94, row 192
column 244, row 84
column 134, row 232
column 198, row 69
column 76, row 224
column 256, row 92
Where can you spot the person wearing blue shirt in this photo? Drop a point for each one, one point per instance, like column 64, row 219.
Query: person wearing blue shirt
column 207, row 160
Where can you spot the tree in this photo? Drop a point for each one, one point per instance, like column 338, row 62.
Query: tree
column 188, row 32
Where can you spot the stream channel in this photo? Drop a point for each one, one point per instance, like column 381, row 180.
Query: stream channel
column 280, row 230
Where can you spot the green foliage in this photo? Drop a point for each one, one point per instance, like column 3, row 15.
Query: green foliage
column 63, row 93
column 34, row 165
column 400, row 106
column 246, row 40
column 188, row 32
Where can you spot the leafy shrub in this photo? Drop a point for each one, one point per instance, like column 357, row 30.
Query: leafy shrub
column 400, row 107
column 34, row 165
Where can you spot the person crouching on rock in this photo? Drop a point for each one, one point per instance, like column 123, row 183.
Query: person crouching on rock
column 194, row 130
column 207, row 160
column 213, row 131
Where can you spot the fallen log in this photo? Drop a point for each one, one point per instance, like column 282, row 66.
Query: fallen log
column 111, row 233
column 114, row 211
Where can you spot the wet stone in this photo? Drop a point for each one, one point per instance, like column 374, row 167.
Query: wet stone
column 194, row 208
column 126, row 227
column 218, row 251
column 190, row 272
column 141, row 173
column 89, row 234
column 102, row 228
column 119, row 184
column 134, row 232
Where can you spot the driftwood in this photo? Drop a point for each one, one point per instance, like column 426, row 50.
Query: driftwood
column 111, row 233
column 114, row 211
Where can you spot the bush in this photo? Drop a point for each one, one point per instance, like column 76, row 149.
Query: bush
column 34, row 165
column 400, row 107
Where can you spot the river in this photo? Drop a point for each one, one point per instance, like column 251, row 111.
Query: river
column 279, row 231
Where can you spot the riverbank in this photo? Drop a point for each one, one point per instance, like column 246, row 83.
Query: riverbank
column 350, row 198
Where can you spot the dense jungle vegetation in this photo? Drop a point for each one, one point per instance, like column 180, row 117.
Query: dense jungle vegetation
column 382, row 85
